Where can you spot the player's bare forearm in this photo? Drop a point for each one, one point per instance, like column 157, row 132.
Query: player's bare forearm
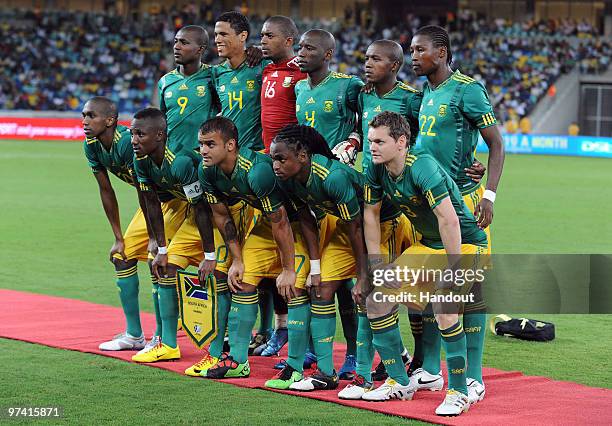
column 227, row 228
column 154, row 217
column 495, row 165
column 371, row 227
column 109, row 203
column 283, row 236
column 204, row 223
column 355, row 235
column 310, row 232
column 450, row 230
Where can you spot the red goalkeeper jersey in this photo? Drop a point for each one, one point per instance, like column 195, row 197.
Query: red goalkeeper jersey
column 278, row 98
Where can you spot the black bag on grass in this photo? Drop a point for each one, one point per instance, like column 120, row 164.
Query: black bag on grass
column 523, row 328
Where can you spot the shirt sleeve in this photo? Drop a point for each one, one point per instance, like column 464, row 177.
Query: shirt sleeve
column 144, row 182
column 412, row 114
column 160, row 95
column 352, row 93
column 92, row 158
column 185, row 171
column 263, row 183
column 477, row 107
column 206, row 178
column 427, row 176
column 342, row 193
column 372, row 188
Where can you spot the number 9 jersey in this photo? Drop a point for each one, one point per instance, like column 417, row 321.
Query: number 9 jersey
column 187, row 101
column 450, row 120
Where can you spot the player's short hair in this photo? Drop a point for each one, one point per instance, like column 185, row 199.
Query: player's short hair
column 222, row 125
column 153, row 114
column 200, row 32
column 394, row 51
column 326, row 39
column 396, row 123
column 286, row 25
column 237, row 21
column 107, row 107
column 439, row 38
column 298, row 137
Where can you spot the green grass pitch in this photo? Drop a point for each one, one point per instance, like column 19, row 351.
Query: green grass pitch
column 56, row 240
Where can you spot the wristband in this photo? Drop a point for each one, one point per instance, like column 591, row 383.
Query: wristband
column 315, row 267
column 162, row 250
column 489, row 195
column 210, row 256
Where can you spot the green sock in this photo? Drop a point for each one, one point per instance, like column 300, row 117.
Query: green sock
column 155, row 296
column 387, row 341
column 242, row 317
column 431, row 344
column 323, row 330
column 416, row 326
column 348, row 316
column 365, row 347
column 168, row 310
column 475, row 325
column 456, row 354
column 224, row 301
column 266, row 311
column 127, row 283
column 298, row 326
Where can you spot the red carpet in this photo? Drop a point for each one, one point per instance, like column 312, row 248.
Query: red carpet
column 512, row 398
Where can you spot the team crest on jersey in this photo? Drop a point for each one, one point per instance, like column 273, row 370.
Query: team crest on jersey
column 378, row 109
column 169, row 94
column 200, row 90
column 234, row 80
column 183, row 87
column 310, row 101
column 328, row 106
column 250, row 85
column 287, row 81
column 442, row 110
column 222, row 88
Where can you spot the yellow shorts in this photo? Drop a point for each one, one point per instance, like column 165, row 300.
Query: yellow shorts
column 396, row 235
column 472, row 199
column 136, row 237
column 186, row 247
column 419, row 256
column 261, row 257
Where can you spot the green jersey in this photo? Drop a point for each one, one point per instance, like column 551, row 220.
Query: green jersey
column 450, row 118
column 330, row 107
column 178, row 174
column 402, row 99
column 253, row 180
column 119, row 160
column 332, row 188
column 417, row 192
column 187, row 101
column 239, row 93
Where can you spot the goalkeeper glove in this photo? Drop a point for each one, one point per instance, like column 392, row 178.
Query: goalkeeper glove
column 346, row 151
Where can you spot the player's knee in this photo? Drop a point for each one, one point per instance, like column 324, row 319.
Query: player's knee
column 446, row 320
column 122, row 265
column 376, row 308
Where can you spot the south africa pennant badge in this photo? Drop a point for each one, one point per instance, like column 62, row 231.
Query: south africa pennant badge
column 198, row 307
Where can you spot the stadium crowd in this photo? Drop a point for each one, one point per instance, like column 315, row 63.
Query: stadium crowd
column 71, row 56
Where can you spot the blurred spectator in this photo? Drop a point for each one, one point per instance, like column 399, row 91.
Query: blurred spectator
column 573, row 129
column 525, row 125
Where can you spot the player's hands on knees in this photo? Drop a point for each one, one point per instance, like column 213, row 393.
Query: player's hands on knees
column 254, row 55
column 118, row 248
column 152, row 246
column 160, row 265
column 234, row 276
column 484, row 213
column 314, row 284
column 206, row 268
column 285, row 283
column 476, row 171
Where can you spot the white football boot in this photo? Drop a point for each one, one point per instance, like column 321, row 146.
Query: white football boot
column 155, row 340
column 390, row 390
column 123, row 342
column 356, row 389
column 476, row 390
column 422, row 380
column 454, row 404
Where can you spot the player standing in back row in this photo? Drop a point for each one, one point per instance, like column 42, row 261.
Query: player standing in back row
column 454, row 111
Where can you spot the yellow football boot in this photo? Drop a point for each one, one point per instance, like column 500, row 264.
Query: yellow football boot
column 199, row 368
column 159, row 352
